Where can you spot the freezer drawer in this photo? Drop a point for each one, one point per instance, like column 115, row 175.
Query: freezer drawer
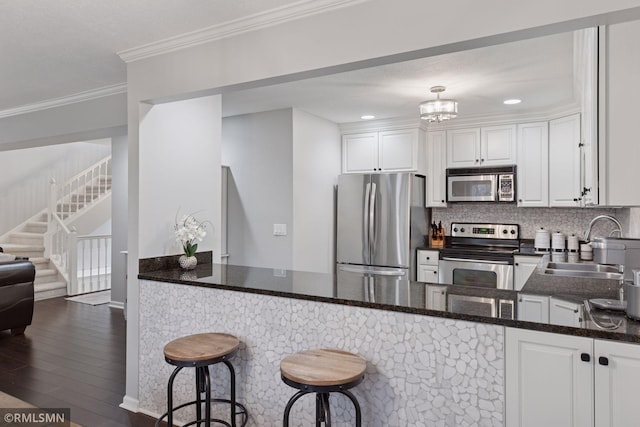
column 373, row 284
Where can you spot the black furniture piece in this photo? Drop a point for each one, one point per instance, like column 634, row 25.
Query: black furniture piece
column 201, row 351
column 323, row 371
column 16, row 295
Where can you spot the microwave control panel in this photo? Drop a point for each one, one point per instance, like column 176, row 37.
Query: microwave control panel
column 506, row 188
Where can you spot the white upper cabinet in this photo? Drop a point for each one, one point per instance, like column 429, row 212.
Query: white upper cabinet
column 487, row 146
column 619, row 149
column 390, row 150
column 463, row 148
column 564, row 162
column 398, row 150
column 533, row 164
column 436, row 169
column 360, row 152
column 498, row 145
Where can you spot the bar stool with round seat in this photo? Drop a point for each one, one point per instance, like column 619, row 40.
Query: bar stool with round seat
column 201, row 351
column 323, row 371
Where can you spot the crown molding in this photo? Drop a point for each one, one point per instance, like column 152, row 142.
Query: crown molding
column 257, row 21
column 381, row 125
column 65, row 100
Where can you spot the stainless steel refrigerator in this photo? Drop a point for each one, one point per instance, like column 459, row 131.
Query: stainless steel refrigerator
column 381, row 220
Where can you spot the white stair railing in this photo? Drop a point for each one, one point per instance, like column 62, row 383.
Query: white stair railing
column 82, row 189
column 83, row 261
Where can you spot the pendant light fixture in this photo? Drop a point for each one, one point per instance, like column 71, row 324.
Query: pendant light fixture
column 438, row 110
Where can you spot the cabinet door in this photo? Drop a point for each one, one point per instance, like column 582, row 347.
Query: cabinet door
column 436, row 169
column 564, row 161
column 463, row 148
column 547, row 382
column 398, row 150
column 533, row 308
column 617, row 384
column 618, row 114
column 360, row 152
column 498, row 145
column 523, row 268
column 427, row 274
column 428, row 257
column 436, row 297
column 565, row 313
column 533, row 165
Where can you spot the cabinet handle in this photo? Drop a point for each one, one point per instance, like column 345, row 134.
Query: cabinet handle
column 477, row 160
column 428, row 258
column 604, row 361
column 435, row 272
column 481, row 160
column 516, row 264
column 441, row 201
column 585, row 357
column 520, row 200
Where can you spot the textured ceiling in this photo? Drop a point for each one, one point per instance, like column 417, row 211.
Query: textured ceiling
column 54, row 48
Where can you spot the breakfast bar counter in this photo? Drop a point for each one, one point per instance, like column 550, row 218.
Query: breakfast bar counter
column 425, row 365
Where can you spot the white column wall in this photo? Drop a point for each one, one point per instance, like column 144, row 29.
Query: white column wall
column 119, row 206
column 316, row 165
column 179, row 170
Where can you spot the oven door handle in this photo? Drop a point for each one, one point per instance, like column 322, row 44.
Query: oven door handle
column 484, row 261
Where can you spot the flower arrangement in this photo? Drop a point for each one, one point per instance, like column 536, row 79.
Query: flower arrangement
column 188, row 232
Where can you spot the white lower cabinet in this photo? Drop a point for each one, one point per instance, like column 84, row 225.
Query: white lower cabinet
column 436, row 297
column 563, row 380
column 533, row 308
column 617, row 385
column 565, row 313
column 427, row 270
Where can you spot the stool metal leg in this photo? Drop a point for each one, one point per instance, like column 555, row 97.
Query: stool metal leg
column 207, row 396
column 170, row 396
column 327, row 409
column 199, row 391
column 290, row 403
column 232, row 379
column 356, row 405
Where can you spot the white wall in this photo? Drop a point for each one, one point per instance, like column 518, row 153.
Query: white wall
column 25, row 175
column 258, row 150
column 119, row 206
column 634, row 223
column 316, row 165
column 333, row 41
column 179, row 171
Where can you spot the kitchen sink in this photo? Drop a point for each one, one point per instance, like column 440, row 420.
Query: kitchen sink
column 586, row 270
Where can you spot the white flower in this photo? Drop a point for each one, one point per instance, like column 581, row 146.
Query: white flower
column 189, row 231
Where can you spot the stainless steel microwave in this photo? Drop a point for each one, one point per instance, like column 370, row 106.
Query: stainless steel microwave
column 482, row 184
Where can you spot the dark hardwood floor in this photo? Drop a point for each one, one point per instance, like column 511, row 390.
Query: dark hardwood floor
column 72, row 356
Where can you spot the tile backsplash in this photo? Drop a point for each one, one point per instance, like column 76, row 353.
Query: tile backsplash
column 566, row 220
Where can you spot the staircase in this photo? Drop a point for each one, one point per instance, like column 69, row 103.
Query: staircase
column 28, row 239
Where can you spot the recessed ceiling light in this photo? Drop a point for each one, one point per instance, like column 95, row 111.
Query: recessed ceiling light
column 512, row 101
column 367, row 117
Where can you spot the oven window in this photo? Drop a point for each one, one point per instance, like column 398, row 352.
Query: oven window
column 480, row 188
column 468, row 277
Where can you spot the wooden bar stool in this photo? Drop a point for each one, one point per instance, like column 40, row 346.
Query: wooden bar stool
column 323, row 371
column 200, row 351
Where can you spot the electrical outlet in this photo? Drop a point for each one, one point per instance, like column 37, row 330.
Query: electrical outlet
column 279, row 229
column 279, row 272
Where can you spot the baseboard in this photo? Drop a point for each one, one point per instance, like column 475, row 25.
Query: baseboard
column 117, row 304
column 152, row 414
column 130, row 404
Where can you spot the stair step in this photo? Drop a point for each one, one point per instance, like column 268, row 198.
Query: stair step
column 36, row 227
column 49, row 290
column 23, row 250
column 46, row 275
column 27, row 238
column 40, row 263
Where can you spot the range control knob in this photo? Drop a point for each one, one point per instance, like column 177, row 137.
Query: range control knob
column 505, row 231
column 455, row 229
column 462, row 229
column 513, row 231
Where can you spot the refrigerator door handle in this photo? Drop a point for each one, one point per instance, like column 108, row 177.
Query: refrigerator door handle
column 366, row 245
column 372, row 221
column 372, row 271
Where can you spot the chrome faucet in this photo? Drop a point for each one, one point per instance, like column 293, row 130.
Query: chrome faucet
column 587, row 232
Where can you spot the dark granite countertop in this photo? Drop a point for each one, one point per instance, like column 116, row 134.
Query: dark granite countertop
column 408, row 296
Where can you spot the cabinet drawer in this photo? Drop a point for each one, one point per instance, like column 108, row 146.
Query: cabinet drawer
column 428, row 257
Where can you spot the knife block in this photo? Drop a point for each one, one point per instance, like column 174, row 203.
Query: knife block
column 437, row 239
